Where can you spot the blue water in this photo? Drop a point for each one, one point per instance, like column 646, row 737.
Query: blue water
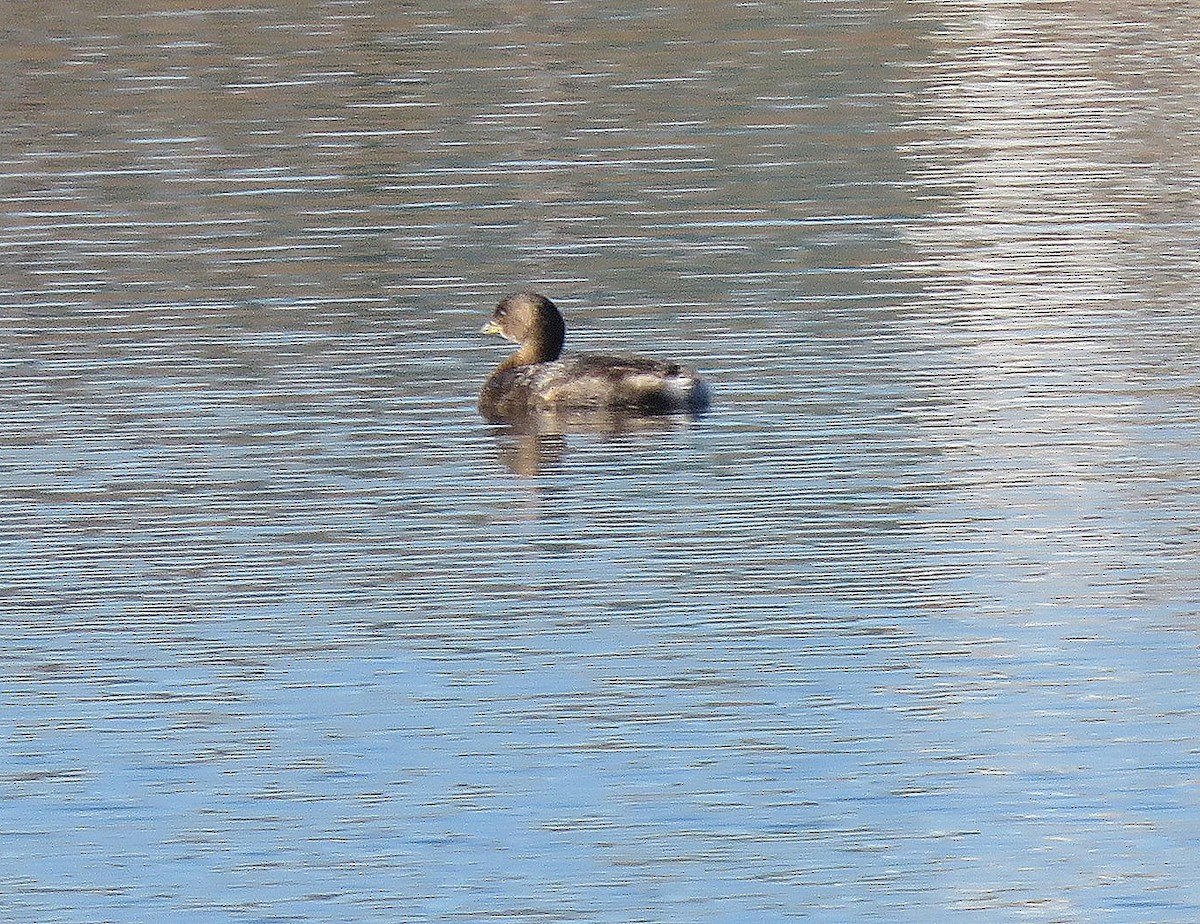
column 904, row 629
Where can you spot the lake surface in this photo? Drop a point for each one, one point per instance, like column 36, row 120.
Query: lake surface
column 905, row 629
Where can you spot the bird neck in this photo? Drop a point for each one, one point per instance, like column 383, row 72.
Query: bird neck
column 541, row 347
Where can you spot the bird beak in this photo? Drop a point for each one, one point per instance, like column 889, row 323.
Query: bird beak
column 491, row 327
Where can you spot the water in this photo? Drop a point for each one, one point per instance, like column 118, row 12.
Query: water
column 904, row 629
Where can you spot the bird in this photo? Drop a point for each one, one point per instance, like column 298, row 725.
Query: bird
column 537, row 377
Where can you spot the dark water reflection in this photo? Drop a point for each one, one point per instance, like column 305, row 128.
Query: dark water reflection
column 533, row 443
column 904, row 629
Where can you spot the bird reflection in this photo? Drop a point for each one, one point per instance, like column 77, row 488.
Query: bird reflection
column 534, row 441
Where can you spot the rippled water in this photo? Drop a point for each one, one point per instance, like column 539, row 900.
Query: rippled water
column 904, row 629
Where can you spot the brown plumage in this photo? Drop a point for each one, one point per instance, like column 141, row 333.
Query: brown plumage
column 535, row 378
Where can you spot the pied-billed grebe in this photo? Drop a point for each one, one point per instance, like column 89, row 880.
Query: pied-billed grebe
column 534, row 378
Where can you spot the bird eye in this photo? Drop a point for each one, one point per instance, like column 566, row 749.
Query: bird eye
column 501, row 312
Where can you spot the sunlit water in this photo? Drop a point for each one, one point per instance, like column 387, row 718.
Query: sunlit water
column 904, row 629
